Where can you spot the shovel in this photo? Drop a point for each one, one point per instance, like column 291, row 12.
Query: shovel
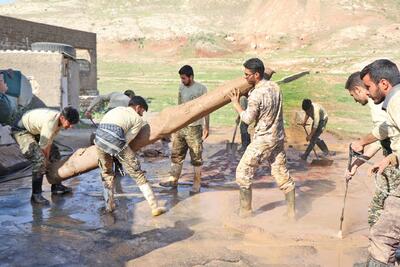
column 318, row 161
column 231, row 147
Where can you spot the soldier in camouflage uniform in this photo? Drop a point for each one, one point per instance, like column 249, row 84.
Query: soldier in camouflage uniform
column 265, row 108
column 357, row 90
column 382, row 79
column 37, row 130
column 191, row 137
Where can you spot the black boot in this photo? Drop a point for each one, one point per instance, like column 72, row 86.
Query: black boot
column 245, row 202
column 37, row 198
column 60, row 189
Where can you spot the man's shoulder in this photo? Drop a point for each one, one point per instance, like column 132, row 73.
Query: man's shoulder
column 198, row 86
column 117, row 94
column 267, row 85
column 43, row 111
column 395, row 101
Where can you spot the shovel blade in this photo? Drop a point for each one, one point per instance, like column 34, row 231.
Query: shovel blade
column 321, row 162
column 231, row 148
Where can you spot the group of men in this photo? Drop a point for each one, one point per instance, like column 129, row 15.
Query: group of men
column 379, row 81
column 378, row 85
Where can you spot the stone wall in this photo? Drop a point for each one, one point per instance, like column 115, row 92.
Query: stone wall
column 20, row 34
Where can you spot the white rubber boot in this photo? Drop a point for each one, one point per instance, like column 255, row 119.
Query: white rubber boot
column 196, row 180
column 151, row 199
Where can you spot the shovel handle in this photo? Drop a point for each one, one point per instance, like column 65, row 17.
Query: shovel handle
column 234, row 132
column 94, row 124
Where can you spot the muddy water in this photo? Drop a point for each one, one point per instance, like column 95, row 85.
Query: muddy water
column 202, row 229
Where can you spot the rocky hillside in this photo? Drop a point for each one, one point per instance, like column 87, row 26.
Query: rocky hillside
column 220, row 26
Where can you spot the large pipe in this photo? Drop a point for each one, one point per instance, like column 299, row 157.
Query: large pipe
column 167, row 121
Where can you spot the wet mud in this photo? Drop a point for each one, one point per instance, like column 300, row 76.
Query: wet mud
column 198, row 230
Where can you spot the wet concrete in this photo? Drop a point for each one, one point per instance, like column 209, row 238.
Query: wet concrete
column 201, row 229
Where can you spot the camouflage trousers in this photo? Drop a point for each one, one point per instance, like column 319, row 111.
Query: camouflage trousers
column 129, row 161
column 29, row 146
column 188, row 138
column 255, row 153
column 387, row 183
column 385, row 233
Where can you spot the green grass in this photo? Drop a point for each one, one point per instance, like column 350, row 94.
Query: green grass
column 158, row 81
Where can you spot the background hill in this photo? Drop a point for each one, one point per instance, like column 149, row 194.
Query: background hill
column 142, row 43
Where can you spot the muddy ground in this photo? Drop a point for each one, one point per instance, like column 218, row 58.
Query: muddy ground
column 202, row 229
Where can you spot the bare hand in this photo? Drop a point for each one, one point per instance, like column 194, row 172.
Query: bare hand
column 351, row 173
column 234, row 95
column 205, row 134
column 380, row 167
column 88, row 114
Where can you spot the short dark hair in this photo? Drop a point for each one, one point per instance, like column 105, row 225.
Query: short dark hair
column 129, row 93
column 186, row 70
column 306, row 105
column 138, row 101
column 255, row 65
column 382, row 69
column 70, row 114
column 353, row 81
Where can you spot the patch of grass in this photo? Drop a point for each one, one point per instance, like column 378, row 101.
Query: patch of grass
column 159, row 81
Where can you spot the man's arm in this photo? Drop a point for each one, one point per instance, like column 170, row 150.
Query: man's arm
column 305, row 119
column 359, row 145
column 368, row 154
column 391, row 160
column 99, row 99
column 252, row 111
column 313, row 130
column 47, row 135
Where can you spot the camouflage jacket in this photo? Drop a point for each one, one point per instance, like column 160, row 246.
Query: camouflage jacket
column 265, row 108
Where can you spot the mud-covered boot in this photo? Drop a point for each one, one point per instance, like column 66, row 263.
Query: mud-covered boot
column 37, row 198
column 245, row 202
column 151, row 199
column 108, row 194
column 196, row 180
column 175, row 173
column 291, row 204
